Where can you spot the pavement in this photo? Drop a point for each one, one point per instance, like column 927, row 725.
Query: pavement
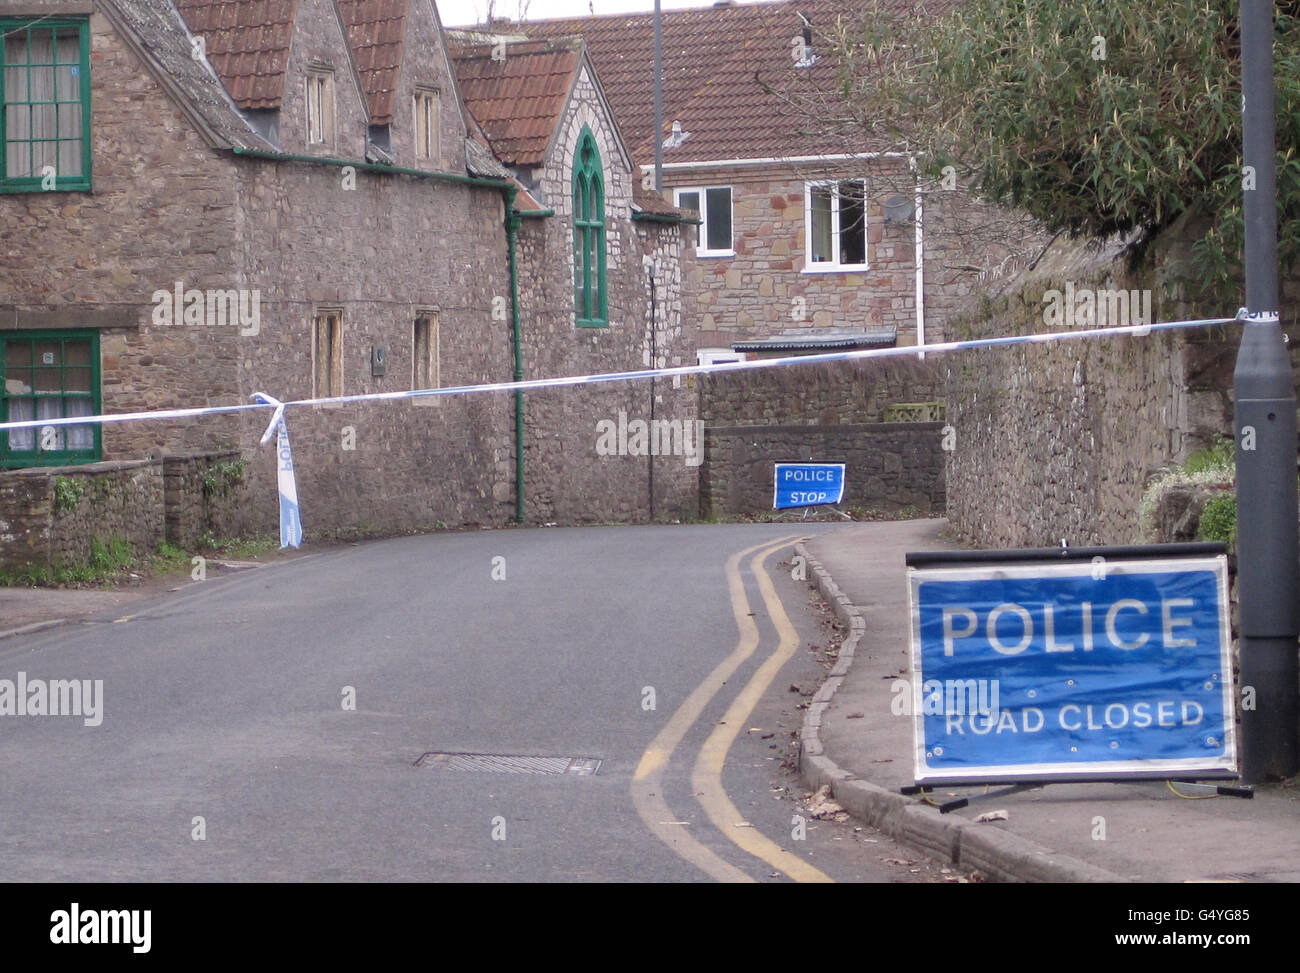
column 1096, row 832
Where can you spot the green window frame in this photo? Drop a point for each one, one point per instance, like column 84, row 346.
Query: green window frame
column 45, row 102
column 49, row 375
column 589, row 235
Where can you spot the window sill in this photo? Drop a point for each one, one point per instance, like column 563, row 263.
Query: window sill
column 715, row 253
column 78, row 187
column 836, row 268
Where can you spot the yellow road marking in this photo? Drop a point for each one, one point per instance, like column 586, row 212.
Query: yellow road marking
column 647, row 782
column 706, row 778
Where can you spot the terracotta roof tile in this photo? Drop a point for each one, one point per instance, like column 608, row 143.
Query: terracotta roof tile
column 517, row 99
column 728, row 73
column 375, row 29
column 247, row 44
column 649, row 201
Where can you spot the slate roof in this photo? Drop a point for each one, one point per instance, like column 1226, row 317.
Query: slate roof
column 725, row 71
column 517, row 99
column 375, row 29
column 247, row 44
column 158, row 36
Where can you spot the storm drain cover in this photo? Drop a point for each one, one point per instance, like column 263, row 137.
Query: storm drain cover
column 501, row 763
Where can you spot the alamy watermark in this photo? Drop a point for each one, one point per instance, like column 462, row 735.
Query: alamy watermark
column 1084, row 307
column 213, row 308
column 57, row 697
column 653, row 437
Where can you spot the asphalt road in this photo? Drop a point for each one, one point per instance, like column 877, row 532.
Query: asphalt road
column 269, row 725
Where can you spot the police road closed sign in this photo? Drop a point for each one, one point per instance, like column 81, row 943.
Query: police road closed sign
column 807, row 484
column 1072, row 671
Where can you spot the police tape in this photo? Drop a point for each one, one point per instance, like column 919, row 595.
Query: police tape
column 291, row 526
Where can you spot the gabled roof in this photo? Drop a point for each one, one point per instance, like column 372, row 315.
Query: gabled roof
column 247, row 44
column 517, row 99
column 158, row 36
column 726, row 68
column 375, row 29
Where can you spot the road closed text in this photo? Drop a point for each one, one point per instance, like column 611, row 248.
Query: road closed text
column 1087, row 717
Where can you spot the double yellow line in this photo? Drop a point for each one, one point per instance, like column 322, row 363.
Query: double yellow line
column 706, row 777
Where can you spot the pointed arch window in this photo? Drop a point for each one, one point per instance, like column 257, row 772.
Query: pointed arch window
column 589, row 235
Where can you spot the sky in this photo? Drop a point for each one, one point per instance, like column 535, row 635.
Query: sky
column 457, row 13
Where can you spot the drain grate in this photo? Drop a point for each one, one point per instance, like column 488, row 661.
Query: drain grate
column 503, row 763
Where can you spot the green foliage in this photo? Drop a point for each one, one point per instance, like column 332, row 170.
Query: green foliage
column 1094, row 118
column 221, row 478
column 1213, row 459
column 254, row 545
column 107, row 558
column 1219, row 519
column 67, row 493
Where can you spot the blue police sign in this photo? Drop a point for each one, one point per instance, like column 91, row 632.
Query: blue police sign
column 807, row 484
column 1072, row 671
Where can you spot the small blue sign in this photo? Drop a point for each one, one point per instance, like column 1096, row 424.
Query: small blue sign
column 1072, row 671
column 807, row 484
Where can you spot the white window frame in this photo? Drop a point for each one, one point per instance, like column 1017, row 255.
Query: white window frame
column 319, row 109
column 833, row 265
column 718, row 356
column 427, row 103
column 701, row 248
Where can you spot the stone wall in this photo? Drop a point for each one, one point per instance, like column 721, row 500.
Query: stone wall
column 206, row 497
column 1058, row 441
column 888, row 466
column 818, row 394
column 763, row 289
column 570, row 476
column 50, row 516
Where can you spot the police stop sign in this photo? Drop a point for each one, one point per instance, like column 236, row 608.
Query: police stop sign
column 807, row 484
column 1079, row 671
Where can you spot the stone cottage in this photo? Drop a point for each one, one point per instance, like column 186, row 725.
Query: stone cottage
column 203, row 199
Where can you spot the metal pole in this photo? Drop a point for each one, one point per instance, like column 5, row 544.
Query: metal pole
column 659, row 101
column 654, row 363
column 1265, row 426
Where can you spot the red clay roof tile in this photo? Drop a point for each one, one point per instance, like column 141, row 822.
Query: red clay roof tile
column 727, row 74
column 375, row 29
column 247, row 44
column 517, row 99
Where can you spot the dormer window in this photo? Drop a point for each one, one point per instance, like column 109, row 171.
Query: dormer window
column 426, row 123
column 320, row 108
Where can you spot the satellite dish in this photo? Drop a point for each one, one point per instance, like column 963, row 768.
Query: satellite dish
column 898, row 209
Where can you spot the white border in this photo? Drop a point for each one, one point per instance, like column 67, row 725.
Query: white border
column 776, row 468
column 1227, row 761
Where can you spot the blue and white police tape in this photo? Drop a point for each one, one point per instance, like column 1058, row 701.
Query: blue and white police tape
column 264, row 401
column 287, row 486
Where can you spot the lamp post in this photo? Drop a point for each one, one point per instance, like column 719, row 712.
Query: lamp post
column 1265, row 426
